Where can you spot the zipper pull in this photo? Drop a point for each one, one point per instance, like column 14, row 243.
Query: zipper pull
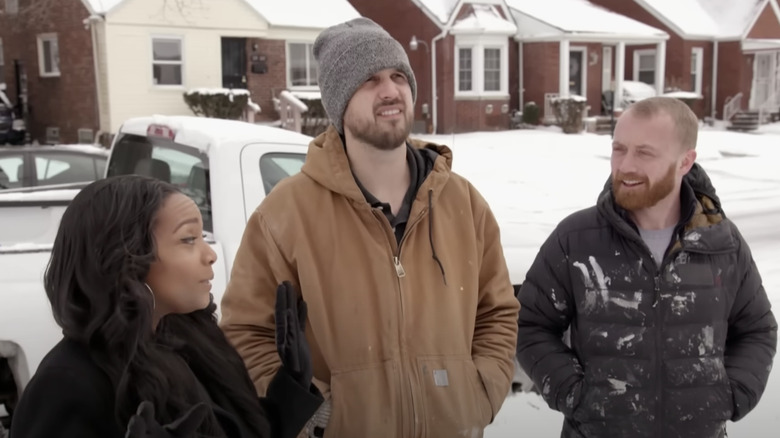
column 399, row 269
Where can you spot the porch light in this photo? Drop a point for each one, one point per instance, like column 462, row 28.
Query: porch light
column 415, row 43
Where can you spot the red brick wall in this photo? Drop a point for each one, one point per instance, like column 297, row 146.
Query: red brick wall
column 514, row 75
column 767, row 25
column 471, row 115
column 593, row 91
column 445, row 87
column 403, row 19
column 69, row 101
column 265, row 86
column 735, row 74
column 540, row 71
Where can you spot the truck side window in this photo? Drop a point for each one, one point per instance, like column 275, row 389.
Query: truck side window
column 276, row 166
column 183, row 166
column 63, row 168
column 10, row 168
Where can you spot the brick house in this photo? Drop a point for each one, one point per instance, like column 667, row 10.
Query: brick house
column 59, row 97
column 103, row 61
column 580, row 52
column 725, row 50
column 461, row 52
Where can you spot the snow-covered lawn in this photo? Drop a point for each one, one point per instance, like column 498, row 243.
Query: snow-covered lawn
column 534, row 178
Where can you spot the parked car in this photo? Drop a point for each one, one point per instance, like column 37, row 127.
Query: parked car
column 34, row 166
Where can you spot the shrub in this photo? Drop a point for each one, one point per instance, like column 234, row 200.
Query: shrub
column 531, row 113
column 220, row 103
column 570, row 113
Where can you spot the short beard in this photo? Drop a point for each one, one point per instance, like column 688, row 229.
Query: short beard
column 367, row 131
column 648, row 196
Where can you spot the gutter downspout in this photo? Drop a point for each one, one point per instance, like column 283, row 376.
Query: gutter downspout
column 713, row 107
column 434, row 94
column 92, row 21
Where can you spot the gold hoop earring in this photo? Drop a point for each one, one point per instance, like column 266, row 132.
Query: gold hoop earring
column 154, row 303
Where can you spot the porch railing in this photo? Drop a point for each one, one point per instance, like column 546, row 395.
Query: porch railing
column 732, row 106
column 290, row 110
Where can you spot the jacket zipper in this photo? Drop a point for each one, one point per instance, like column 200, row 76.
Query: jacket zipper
column 658, row 356
column 400, row 273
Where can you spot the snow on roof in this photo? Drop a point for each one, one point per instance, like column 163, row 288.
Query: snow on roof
column 484, row 18
column 101, row 6
column 311, row 14
column 708, row 18
column 205, row 132
column 442, row 9
column 581, row 16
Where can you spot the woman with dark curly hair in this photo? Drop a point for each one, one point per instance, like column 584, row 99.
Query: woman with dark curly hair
column 129, row 282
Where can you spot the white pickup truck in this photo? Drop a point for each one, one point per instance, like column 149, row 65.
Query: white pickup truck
column 226, row 167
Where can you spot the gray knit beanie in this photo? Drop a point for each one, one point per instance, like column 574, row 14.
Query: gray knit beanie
column 350, row 53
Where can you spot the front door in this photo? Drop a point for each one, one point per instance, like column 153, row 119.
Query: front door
column 575, row 72
column 234, row 62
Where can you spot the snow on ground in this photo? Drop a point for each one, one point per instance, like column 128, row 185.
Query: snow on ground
column 534, row 178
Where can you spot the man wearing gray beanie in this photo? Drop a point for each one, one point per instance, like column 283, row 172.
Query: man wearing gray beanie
column 412, row 316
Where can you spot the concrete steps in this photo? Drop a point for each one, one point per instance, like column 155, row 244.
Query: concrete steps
column 745, row 121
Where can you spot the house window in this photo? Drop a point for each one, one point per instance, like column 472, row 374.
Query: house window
column 697, row 68
column 465, row 69
column 302, row 68
column 492, row 69
column 48, row 55
column 644, row 66
column 482, row 66
column 167, row 61
column 11, row 6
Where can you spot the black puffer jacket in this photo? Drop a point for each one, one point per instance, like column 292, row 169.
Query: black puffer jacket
column 668, row 352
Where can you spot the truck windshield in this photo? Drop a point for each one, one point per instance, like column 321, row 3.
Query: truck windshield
column 183, row 166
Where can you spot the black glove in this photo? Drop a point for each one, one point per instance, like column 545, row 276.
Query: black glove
column 291, row 342
column 143, row 424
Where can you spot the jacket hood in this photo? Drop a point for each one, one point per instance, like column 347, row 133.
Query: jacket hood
column 327, row 163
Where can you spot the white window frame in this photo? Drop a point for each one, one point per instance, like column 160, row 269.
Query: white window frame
column 48, row 37
column 637, row 55
column 457, row 70
column 699, row 53
column 181, row 62
column 11, row 7
column 309, row 57
column 478, row 44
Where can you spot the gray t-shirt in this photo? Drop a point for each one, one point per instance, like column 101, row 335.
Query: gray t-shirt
column 657, row 241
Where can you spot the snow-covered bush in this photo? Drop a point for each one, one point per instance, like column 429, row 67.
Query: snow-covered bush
column 531, row 113
column 570, row 113
column 220, row 103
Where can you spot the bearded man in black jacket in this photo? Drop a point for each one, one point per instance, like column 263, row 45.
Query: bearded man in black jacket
column 672, row 334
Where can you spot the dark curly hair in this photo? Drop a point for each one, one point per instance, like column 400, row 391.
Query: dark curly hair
column 95, row 283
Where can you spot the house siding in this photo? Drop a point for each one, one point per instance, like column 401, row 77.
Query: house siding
column 767, row 25
column 264, row 87
column 129, row 33
column 540, row 72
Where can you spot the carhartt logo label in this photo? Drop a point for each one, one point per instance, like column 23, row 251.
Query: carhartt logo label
column 440, row 378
